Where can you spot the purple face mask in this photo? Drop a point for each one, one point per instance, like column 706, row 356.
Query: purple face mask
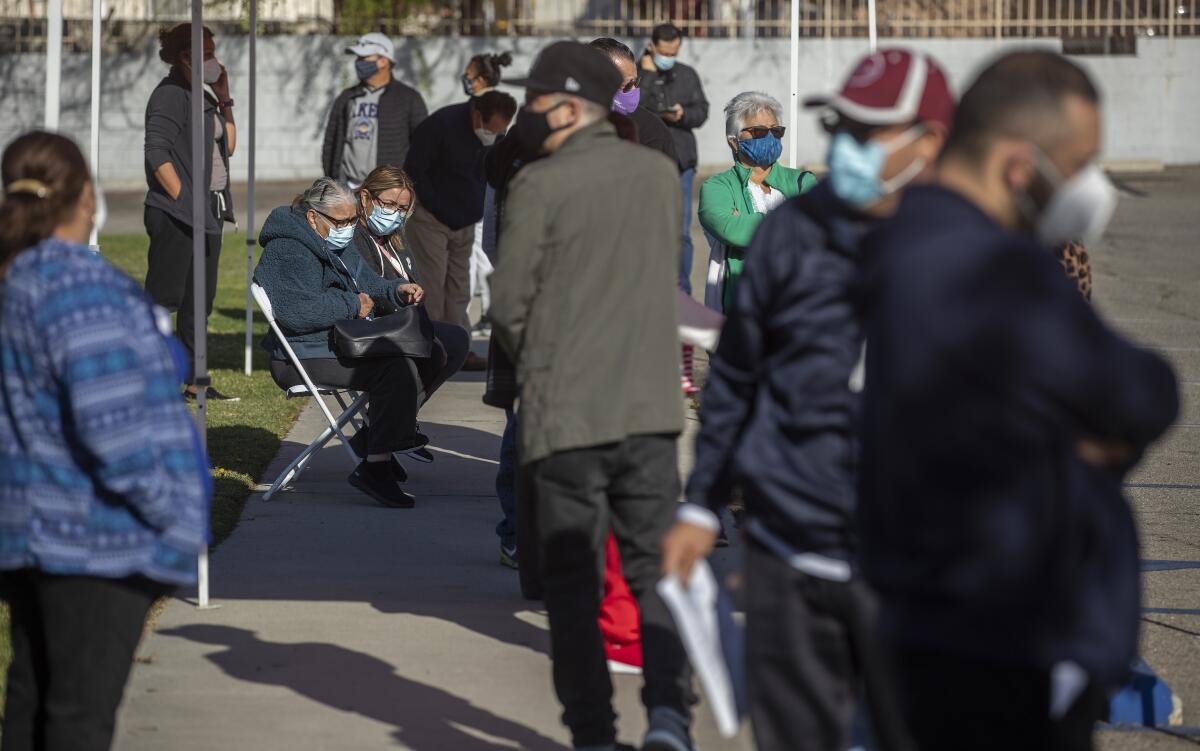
column 626, row 102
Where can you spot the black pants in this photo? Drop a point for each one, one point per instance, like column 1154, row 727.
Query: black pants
column 393, row 386
column 812, row 653
column 632, row 486
column 953, row 703
column 169, row 273
column 73, row 639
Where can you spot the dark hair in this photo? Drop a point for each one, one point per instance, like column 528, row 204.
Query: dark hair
column 175, row 41
column 665, row 32
column 489, row 103
column 489, row 66
column 1020, row 95
column 43, row 174
column 613, row 48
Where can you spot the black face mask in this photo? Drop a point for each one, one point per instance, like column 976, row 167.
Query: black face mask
column 531, row 130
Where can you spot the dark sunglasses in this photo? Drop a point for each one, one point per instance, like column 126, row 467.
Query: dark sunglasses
column 337, row 223
column 631, row 85
column 761, row 131
column 861, row 132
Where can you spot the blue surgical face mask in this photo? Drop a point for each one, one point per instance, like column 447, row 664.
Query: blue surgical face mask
column 366, row 68
column 384, row 222
column 762, row 152
column 855, row 169
column 339, row 237
column 662, row 62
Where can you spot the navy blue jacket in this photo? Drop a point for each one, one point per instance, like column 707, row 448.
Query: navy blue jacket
column 778, row 416
column 311, row 286
column 446, row 164
column 985, row 535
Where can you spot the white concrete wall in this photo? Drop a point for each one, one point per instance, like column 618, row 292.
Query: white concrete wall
column 1152, row 100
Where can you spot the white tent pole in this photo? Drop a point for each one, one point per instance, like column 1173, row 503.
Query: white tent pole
column 794, row 109
column 251, row 240
column 54, row 43
column 96, row 18
column 871, row 30
column 199, row 297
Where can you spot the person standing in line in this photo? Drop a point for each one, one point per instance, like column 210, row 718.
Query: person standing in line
column 483, row 73
column 104, row 486
column 1000, row 417
column 811, row 649
column 673, row 91
column 652, row 132
column 446, row 164
column 168, row 157
column 583, row 278
column 734, row 203
column 373, row 122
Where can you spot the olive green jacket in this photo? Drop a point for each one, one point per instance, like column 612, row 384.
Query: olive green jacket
column 584, row 298
column 727, row 215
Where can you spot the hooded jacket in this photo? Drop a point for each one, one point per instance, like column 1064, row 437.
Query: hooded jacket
column 311, row 286
column 780, row 409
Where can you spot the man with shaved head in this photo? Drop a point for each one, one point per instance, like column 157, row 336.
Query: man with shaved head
column 1000, row 415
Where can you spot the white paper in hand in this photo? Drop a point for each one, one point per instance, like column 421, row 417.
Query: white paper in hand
column 698, row 325
column 713, row 641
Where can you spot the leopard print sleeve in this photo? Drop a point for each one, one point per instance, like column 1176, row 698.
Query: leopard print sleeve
column 1074, row 258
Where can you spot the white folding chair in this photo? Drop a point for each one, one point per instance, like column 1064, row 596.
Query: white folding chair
column 350, row 410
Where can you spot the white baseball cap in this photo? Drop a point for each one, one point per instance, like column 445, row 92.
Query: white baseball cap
column 374, row 43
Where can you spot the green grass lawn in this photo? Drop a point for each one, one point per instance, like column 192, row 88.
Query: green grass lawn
column 243, row 436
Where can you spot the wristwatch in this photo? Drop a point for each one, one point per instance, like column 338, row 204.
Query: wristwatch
column 226, row 103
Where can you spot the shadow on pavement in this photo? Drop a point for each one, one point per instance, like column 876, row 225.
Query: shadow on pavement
column 425, row 718
column 323, row 541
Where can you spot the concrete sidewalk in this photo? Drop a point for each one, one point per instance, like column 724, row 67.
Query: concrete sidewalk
column 345, row 625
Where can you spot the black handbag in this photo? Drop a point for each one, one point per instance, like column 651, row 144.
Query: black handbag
column 406, row 333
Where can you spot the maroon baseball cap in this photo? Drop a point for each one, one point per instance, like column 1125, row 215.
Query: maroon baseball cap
column 892, row 86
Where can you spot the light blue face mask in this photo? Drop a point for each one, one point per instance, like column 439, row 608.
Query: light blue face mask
column 855, row 168
column 384, row 222
column 662, row 62
column 339, row 237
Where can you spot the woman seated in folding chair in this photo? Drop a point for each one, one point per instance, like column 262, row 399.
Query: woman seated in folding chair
column 385, row 200
column 314, row 279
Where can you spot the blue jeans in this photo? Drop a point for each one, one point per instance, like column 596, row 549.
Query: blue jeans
column 686, row 179
column 506, row 481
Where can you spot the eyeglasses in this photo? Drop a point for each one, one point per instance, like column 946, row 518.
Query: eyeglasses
column 337, row 223
column 632, row 84
column 391, row 205
column 761, row 131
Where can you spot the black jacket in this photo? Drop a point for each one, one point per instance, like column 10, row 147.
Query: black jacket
column 653, row 133
column 401, row 110
column 446, row 164
column 662, row 90
column 169, row 139
column 779, row 415
column 364, row 243
column 986, row 536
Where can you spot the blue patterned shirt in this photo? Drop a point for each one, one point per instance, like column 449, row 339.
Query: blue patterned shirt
column 101, row 470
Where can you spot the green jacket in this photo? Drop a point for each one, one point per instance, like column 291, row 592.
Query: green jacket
column 727, row 212
column 584, row 294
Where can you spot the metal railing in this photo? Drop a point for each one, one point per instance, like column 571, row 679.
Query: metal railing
column 1098, row 26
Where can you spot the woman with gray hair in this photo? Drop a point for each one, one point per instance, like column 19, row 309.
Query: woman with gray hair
column 314, row 277
column 733, row 202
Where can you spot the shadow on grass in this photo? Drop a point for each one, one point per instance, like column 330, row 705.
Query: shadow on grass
column 239, row 454
column 423, row 717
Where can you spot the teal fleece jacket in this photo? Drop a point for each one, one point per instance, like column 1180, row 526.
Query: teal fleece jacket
column 311, row 286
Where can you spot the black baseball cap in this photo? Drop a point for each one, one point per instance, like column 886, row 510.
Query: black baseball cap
column 573, row 68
